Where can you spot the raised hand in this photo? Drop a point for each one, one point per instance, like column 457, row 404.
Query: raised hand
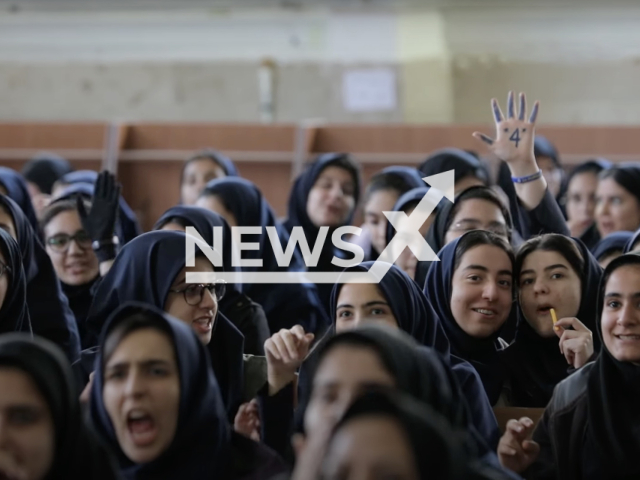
column 514, row 134
column 577, row 344
column 285, row 351
column 100, row 221
column 515, row 451
column 513, row 144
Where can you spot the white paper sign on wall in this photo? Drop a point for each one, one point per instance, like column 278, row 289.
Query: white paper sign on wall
column 369, row 90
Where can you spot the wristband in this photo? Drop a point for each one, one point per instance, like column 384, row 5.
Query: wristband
column 528, row 178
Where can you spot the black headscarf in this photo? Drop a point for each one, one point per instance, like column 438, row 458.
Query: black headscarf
column 425, row 429
column 464, row 163
column 18, row 192
column 409, row 306
column 482, row 353
column 201, row 441
column 298, row 217
column 45, row 169
column 14, row 314
column 144, row 271
column 284, row 304
column 613, row 398
column 616, row 241
column 78, row 455
column 419, row 372
column 127, row 226
column 49, row 309
column 537, row 363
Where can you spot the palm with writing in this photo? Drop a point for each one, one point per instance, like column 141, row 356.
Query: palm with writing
column 514, row 135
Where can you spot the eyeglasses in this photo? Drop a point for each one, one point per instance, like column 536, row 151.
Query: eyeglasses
column 60, row 243
column 193, row 293
column 469, row 225
column 4, row 268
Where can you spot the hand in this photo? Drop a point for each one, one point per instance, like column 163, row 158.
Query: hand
column 576, row 345
column 514, row 136
column 310, row 451
column 9, row 467
column 247, row 420
column 285, row 351
column 515, row 451
column 100, row 222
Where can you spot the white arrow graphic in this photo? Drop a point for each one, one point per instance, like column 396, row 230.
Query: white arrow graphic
column 408, row 226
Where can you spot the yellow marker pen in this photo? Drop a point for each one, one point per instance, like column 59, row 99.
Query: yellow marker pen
column 553, row 316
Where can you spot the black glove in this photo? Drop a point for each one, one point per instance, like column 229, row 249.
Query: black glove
column 100, row 222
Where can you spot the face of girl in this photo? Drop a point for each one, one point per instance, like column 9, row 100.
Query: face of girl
column 551, row 173
column 477, row 214
column 197, row 174
column 374, row 220
column 616, row 208
column 27, row 434
column 213, row 203
column 482, row 290
column 362, row 303
column 345, row 373
column 77, row 264
column 200, row 315
column 331, row 199
column 370, row 448
column 142, row 394
column 621, row 314
column 581, row 201
column 548, row 281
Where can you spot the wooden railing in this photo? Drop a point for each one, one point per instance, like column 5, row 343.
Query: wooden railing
column 148, row 156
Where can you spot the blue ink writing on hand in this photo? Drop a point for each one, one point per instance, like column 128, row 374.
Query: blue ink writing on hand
column 515, row 137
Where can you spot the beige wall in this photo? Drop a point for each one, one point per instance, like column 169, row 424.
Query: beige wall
column 203, row 65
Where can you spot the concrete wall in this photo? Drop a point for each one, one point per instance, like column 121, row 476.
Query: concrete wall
column 584, row 65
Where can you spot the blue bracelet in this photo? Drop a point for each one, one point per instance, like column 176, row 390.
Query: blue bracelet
column 528, row 178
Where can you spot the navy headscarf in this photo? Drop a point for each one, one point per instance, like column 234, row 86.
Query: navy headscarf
column 284, row 304
column 200, row 446
column 45, row 169
column 78, row 455
column 127, row 226
column 416, row 317
column 409, row 306
column 14, row 314
column 18, row 192
column 411, row 197
column 464, row 163
column 410, row 176
column 49, row 310
column 298, row 217
column 537, row 363
column 144, row 271
column 482, row 353
column 613, row 398
column 216, row 157
column 616, row 241
column 628, row 247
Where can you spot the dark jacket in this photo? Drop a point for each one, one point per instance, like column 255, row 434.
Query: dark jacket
column 248, row 317
column 561, row 431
